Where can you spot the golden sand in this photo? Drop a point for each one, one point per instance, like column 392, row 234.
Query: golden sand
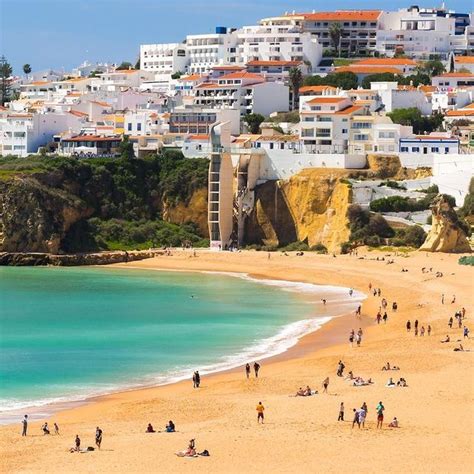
column 300, row 434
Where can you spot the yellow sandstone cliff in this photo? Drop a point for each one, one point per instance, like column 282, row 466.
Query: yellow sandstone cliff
column 311, row 206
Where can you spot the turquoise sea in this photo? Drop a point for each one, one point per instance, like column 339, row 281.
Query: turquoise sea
column 70, row 333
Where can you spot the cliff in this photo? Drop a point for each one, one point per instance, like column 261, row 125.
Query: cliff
column 311, row 206
column 389, row 166
column 446, row 233
column 70, row 206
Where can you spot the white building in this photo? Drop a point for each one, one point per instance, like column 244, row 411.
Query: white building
column 23, row 134
column 393, row 97
column 465, row 63
column 435, row 142
column 164, row 59
column 277, row 43
column 208, row 50
column 359, row 28
column 376, row 134
column 415, row 32
column 455, row 80
column 247, row 92
column 325, row 123
column 196, row 120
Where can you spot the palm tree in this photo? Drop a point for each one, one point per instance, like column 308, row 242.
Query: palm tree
column 335, row 32
column 27, row 69
column 296, row 80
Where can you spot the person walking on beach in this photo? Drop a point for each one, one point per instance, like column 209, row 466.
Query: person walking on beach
column 77, row 442
column 194, row 380
column 394, row 306
column 442, row 298
column 385, row 317
column 340, row 368
column 56, row 429
column 429, row 329
column 198, row 379
column 362, row 416
column 378, row 318
column 358, row 339
column 98, row 437
column 450, row 322
column 325, row 385
column 351, row 292
column 351, row 338
column 247, row 370
column 358, row 310
column 356, row 418
column 24, row 423
column 422, row 331
column 256, row 368
column 466, row 332
column 408, row 326
column 380, row 409
column 416, row 325
column 341, row 412
column 260, row 410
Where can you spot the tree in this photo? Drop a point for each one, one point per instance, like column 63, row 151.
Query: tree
column 343, row 80
column 5, row 75
column 296, row 80
column 176, row 75
column 27, row 69
column 125, row 65
column 433, row 67
column 126, row 149
column 379, row 77
column 253, row 121
column 335, row 32
column 412, row 116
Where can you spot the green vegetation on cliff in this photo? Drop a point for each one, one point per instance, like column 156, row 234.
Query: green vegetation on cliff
column 83, row 205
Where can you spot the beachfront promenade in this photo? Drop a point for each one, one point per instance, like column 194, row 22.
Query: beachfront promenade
column 300, row 434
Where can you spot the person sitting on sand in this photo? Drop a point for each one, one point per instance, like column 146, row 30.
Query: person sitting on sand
column 460, row 348
column 350, row 375
column 446, row 340
column 402, row 382
column 149, row 428
column 308, row 392
column 170, row 427
column 390, row 382
column 45, row 429
column 190, row 452
column 300, row 393
column 394, row 423
column 386, row 367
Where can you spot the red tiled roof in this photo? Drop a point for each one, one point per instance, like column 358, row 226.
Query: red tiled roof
column 326, row 100
column 342, row 15
column 349, row 110
column 385, row 62
column 460, row 112
column 368, row 69
column 199, row 137
column 274, row 63
column 305, row 89
column 242, row 75
column 91, row 138
column 77, row 113
column 464, row 59
column 456, row 74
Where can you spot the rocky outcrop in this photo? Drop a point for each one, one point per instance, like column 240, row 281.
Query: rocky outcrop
column 193, row 211
column 311, row 206
column 36, row 217
column 446, row 234
column 389, row 166
column 100, row 258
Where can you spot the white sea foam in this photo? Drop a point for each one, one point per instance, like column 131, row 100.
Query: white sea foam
column 339, row 302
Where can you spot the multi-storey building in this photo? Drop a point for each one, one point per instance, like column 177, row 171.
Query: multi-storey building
column 199, row 120
column 358, row 29
column 325, row 123
column 245, row 91
column 277, row 43
column 453, row 80
column 416, row 32
column 209, row 50
column 164, row 59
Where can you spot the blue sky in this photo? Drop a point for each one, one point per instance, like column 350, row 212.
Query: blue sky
column 63, row 33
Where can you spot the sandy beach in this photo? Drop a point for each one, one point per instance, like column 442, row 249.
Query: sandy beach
column 300, row 434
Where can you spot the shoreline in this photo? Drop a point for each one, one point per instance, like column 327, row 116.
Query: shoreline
column 46, row 410
column 434, row 410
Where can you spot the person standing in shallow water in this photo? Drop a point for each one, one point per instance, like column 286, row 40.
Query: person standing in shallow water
column 256, row 368
column 247, row 370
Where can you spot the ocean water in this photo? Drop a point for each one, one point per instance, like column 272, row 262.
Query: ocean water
column 71, row 333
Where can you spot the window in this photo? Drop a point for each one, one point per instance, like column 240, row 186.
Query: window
column 308, row 119
column 129, row 127
column 415, row 149
column 344, row 130
column 434, row 149
column 361, row 138
column 446, row 150
column 139, row 127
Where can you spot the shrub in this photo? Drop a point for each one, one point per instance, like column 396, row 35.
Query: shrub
column 346, row 247
column 295, row 247
column 466, row 260
column 319, row 248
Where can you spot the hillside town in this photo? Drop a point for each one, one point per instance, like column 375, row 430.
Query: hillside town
column 312, row 90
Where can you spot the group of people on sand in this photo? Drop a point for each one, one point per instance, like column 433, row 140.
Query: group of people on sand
column 77, row 442
column 357, row 337
column 401, row 383
column 256, row 369
column 422, row 330
column 360, row 415
column 170, row 428
column 191, row 452
column 387, row 366
column 306, row 392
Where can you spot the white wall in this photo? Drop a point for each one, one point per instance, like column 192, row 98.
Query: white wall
column 281, row 164
column 270, row 97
